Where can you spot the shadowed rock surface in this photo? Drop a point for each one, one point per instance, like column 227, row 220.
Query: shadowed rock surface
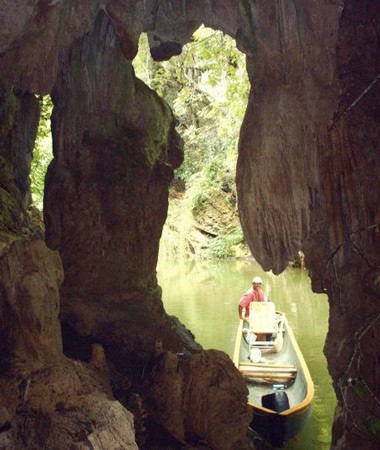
column 48, row 401
column 307, row 179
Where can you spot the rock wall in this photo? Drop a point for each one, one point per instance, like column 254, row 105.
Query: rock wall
column 19, row 114
column 307, row 179
column 115, row 148
column 351, row 274
column 294, row 93
column 48, row 401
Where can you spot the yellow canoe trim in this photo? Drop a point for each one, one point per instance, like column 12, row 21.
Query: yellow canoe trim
column 237, row 344
column 309, row 382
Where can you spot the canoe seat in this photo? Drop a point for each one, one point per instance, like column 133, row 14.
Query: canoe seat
column 262, row 317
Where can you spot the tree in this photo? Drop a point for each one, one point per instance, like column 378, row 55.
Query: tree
column 207, row 87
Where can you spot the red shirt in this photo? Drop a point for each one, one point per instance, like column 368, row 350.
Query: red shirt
column 251, row 296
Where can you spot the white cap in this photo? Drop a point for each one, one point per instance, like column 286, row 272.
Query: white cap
column 257, row 280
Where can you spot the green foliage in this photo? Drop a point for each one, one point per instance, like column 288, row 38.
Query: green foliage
column 199, row 199
column 207, row 87
column 202, row 189
column 42, row 154
column 221, row 245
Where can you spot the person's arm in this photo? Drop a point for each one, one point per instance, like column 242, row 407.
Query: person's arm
column 244, row 304
column 241, row 314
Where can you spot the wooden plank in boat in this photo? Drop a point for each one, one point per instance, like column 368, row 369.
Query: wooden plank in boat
column 268, row 369
column 288, row 366
column 263, row 344
column 268, row 376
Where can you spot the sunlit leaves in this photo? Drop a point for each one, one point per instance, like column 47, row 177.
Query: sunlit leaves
column 42, row 153
column 207, row 88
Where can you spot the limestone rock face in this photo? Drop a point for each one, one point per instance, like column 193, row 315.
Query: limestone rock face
column 34, row 34
column 120, row 161
column 292, row 100
column 64, row 407
column 48, row 401
column 37, row 31
column 307, row 179
column 214, row 389
column 196, row 398
column 115, row 147
column 351, row 178
column 30, row 276
column 307, row 175
column 202, row 230
column 19, row 113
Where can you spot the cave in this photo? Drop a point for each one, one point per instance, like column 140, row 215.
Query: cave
column 78, row 362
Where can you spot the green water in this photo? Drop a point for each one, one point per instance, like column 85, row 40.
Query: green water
column 204, row 296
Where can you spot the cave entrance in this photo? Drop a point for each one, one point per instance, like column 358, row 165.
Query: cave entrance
column 204, row 263
column 207, row 88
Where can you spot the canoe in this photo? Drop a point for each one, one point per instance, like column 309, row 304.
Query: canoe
column 280, row 388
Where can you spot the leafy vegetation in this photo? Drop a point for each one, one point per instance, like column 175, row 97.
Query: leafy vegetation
column 42, row 154
column 207, row 87
column 222, row 246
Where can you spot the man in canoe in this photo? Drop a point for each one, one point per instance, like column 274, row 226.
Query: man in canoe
column 255, row 294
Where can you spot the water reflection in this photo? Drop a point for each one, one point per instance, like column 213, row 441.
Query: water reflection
column 204, row 296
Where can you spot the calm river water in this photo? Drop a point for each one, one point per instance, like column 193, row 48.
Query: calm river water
column 204, row 296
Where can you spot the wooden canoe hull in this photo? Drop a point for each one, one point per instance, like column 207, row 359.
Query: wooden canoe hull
column 296, row 388
column 279, row 429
